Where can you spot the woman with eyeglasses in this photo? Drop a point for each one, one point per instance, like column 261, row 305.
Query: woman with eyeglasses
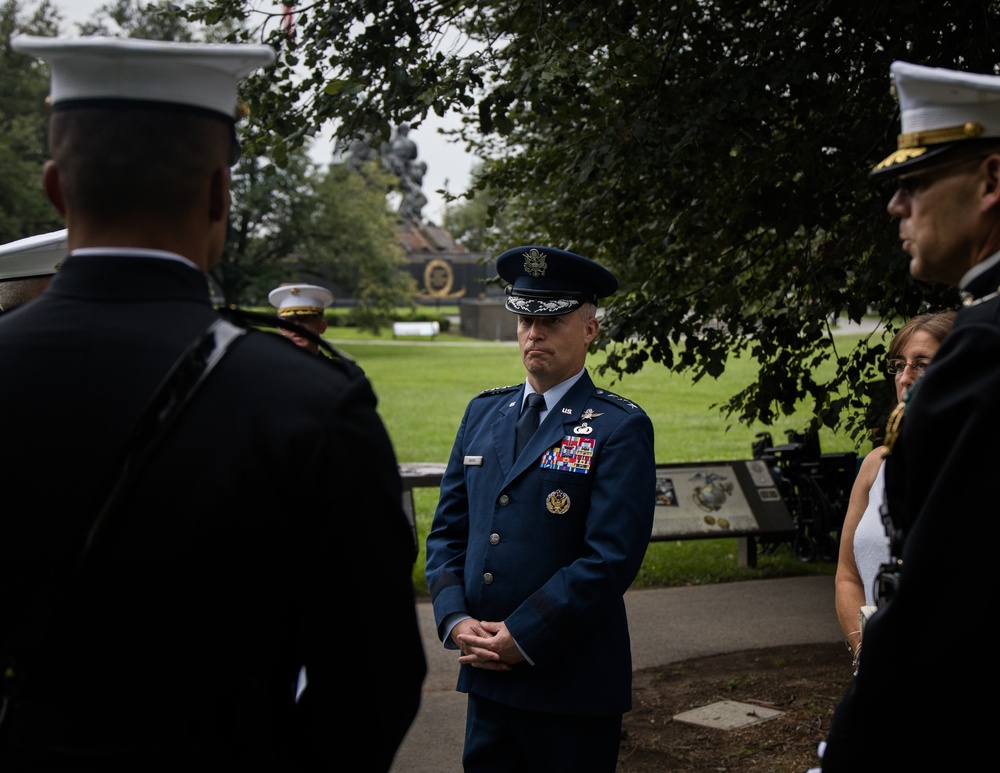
column 863, row 540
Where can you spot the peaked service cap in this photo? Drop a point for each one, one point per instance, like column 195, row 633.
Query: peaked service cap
column 109, row 72
column 33, row 256
column 940, row 110
column 547, row 282
column 298, row 300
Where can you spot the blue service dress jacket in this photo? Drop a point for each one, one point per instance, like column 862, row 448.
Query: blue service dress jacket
column 226, row 569
column 547, row 544
column 924, row 653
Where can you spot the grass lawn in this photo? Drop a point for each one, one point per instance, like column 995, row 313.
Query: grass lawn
column 423, row 388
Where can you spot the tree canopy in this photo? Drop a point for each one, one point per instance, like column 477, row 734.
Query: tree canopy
column 24, row 210
column 713, row 153
column 289, row 221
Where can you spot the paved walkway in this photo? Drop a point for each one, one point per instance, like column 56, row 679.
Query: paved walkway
column 666, row 624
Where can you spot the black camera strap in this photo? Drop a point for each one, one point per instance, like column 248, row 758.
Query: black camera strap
column 180, row 384
column 163, row 408
column 887, row 579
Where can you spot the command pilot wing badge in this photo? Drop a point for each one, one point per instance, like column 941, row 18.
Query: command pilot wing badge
column 584, row 428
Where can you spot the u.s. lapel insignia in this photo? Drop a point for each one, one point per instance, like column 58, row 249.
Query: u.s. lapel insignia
column 557, row 502
column 583, row 429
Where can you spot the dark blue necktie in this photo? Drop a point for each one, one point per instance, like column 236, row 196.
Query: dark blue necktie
column 528, row 422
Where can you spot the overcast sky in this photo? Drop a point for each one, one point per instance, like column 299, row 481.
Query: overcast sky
column 448, row 166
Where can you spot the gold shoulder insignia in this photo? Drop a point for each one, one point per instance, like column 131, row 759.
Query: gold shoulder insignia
column 895, row 424
column 892, row 427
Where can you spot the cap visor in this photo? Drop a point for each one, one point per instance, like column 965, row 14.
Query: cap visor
column 909, row 160
column 537, row 307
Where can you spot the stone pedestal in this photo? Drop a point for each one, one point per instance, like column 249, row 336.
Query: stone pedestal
column 487, row 319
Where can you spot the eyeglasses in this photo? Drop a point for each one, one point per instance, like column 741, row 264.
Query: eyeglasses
column 912, row 184
column 896, row 367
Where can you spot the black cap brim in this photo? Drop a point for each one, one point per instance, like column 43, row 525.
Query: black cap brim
column 910, row 160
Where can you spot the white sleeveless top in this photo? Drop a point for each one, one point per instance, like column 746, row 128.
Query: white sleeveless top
column 871, row 544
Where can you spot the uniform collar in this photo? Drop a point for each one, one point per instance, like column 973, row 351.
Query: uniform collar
column 980, row 283
column 134, row 252
column 554, row 395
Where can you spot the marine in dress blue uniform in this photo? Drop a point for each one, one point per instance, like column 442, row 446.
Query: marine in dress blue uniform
column 545, row 544
column 303, row 304
column 28, row 265
column 924, row 656
column 230, row 562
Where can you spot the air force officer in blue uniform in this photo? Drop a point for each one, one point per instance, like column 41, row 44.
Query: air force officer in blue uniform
column 529, row 555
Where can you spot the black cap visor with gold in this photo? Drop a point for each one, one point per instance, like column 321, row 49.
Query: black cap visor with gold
column 918, row 150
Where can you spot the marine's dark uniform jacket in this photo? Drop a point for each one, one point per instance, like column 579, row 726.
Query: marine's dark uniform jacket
column 237, row 560
column 547, row 544
column 925, row 654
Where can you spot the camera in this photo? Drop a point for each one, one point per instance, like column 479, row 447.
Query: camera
column 815, row 487
column 887, row 582
column 887, row 579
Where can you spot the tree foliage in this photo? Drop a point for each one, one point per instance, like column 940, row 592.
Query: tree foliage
column 268, row 220
column 289, row 221
column 24, row 83
column 713, row 153
column 473, row 221
column 299, row 224
column 353, row 240
column 136, row 19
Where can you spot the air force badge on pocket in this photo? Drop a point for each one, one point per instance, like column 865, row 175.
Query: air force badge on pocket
column 557, row 502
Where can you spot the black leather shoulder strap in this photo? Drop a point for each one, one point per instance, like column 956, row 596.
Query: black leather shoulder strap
column 331, row 354
column 163, row 408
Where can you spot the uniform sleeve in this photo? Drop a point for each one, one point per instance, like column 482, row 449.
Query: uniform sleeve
column 360, row 581
column 448, row 539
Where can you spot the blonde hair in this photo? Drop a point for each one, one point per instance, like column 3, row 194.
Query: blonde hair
column 937, row 324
